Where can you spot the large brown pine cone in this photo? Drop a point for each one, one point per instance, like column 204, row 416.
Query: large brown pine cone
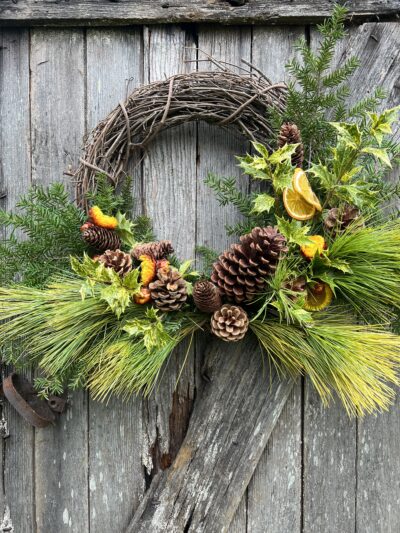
column 339, row 219
column 240, row 272
column 157, row 250
column 290, row 134
column 206, row 296
column 169, row 291
column 230, row 323
column 100, row 238
column 117, row 260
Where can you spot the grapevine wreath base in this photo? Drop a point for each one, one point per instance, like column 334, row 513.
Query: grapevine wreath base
column 314, row 275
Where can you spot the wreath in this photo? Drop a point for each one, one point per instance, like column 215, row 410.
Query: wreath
column 314, row 275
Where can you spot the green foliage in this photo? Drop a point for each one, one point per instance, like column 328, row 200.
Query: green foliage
column 279, row 298
column 357, row 362
column 108, row 198
column 42, row 234
column 345, row 178
column 115, row 290
column 294, row 231
column 317, row 91
column 227, row 193
column 275, row 167
column 372, row 254
column 81, row 342
column 150, row 328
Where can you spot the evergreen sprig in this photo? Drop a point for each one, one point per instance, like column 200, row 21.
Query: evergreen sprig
column 40, row 236
column 317, row 92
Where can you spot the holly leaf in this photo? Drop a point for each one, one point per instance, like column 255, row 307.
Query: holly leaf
column 324, row 176
column 131, row 281
column 293, row 231
column 263, row 203
column 117, row 297
column 150, row 329
column 349, row 133
column 125, row 230
column 282, row 176
column 381, row 123
column 256, row 167
column 379, row 153
column 88, row 268
column 261, row 149
column 283, row 154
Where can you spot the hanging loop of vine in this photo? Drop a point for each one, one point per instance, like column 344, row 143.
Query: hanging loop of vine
column 241, row 101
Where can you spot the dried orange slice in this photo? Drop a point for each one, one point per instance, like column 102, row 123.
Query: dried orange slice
column 318, row 297
column 296, row 206
column 302, row 186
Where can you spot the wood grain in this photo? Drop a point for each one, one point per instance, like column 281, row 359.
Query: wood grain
column 107, row 12
column 116, row 478
column 229, row 428
column 169, row 199
column 274, row 493
column 17, row 452
column 58, row 124
column 348, row 460
column 216, row 153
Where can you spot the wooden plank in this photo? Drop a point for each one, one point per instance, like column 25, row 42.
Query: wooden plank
column 169, row 174
column 58, row 124
column 349, row 472
column 229, row 428
column 378, row 460
column 116, row 478
column 89, row 12
column 274, row 493
column 216, row 153
column 17, row 481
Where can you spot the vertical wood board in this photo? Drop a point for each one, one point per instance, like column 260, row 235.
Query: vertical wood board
column 17, row 451
column 58, row 124
column 116, row 477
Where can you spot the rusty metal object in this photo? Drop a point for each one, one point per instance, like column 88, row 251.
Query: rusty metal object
column 57, row 403
column 23, row 397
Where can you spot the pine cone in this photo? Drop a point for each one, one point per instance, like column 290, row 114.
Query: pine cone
column 240, row 272
column 157, row 250
column 290, row 134
column 119, row 261
column 206, row 296
column 169, row 291
column 230, row 323
column 338, row 220
column 100, row 238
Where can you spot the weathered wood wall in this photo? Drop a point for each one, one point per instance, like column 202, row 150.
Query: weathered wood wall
column 320, row 472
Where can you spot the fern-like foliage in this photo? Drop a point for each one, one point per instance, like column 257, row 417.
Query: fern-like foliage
column 109, row 199
column 40, row 236
column 227, row 193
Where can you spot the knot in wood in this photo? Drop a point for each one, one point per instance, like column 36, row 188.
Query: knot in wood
column 237, row 2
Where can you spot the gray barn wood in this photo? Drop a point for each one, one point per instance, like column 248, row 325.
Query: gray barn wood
column 319, row 471
column 103, row 12
column 229, row 428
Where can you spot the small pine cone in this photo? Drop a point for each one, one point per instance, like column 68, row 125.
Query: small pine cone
column 117, row 260
column 206, row 296
column 230, row 323
column 157, row 250
column 339, row 219
column 240, row 272
column 290, row 134
column 169, row 291
column 101, row 239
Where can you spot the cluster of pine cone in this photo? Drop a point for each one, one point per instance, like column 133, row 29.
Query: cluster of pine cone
column 239, row 275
